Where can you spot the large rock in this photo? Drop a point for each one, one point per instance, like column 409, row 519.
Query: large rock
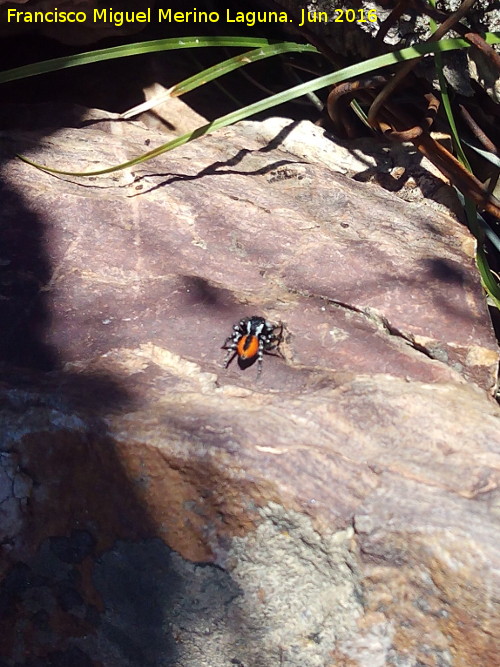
column 342, row 509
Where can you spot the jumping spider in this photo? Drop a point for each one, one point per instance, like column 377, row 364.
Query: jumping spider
column 252, row 337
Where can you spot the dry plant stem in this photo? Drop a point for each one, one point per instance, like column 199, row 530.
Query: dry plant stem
column 468, row 184
column 453, row 170
column 417, row 130
column 478, row 132
column 477, row 41
column 334, row 103
column 442, row 159
column 344, row 123
column 464, row 32
column 334, row 108
column 395, row 117
column 419, row 133
column 394, row 16
column 408, row 66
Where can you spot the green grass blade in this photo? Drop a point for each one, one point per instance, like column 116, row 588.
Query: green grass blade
column 133, row 50
column 232, row 64
column 192, row 42
column 495, row 240
column 473, row 220
column 297, row 91
column 445, row 97
column 219, row 70
column 491, row 157
column 488, row 279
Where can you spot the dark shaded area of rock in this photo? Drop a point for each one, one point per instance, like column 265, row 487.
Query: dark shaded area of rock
column 342, row 509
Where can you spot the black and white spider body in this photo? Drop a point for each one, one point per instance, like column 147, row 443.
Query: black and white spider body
column 252, row 338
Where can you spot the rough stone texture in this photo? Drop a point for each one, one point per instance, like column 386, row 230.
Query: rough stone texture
column 157, row 509
column 386, row 287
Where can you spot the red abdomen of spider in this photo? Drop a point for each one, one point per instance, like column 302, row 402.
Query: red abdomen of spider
column 247, row 347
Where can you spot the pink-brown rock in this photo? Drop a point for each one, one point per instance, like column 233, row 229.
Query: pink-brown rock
column 346, row 502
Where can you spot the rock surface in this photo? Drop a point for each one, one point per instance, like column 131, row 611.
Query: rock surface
column 343, row 509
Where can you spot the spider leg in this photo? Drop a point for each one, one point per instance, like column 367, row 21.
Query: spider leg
column 260, row 356
column 231, row 353
column 233, row 337
column 231, row 346
column 274, row 347
column 274, row 339
column 278, row 336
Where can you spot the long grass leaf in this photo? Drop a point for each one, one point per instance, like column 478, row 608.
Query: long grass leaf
column 491, row 157
column 232, row 64
column 136, row 49
column 285, row 96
